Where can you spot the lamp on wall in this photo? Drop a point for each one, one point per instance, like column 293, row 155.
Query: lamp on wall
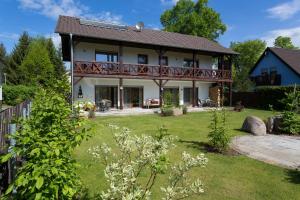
column 80, row 94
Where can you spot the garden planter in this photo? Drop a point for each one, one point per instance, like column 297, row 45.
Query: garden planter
column 177, row 111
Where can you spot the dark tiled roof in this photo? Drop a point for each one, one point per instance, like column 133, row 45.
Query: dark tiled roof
column 290, row 57
column 72, row 25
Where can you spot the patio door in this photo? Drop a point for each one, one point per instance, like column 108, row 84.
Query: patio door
column 188, row 96
column 106, row 93
column 133, row 97
column 174, row 91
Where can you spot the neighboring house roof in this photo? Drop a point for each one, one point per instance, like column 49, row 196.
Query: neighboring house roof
column 67, row 25
column 290, row 57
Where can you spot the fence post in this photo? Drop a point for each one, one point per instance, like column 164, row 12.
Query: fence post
column 11, row 162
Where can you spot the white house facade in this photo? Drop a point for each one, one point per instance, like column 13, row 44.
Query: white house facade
column 133, row 67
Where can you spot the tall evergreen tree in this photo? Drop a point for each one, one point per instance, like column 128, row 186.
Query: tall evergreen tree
column 55, row 58
column 3, row 61
column 14, row 75
column 36, row 66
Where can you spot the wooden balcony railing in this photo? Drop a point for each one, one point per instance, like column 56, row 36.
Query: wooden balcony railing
column 113, row 69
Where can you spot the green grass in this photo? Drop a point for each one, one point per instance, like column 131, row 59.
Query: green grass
column 225, row 177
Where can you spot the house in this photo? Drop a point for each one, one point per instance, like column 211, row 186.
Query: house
column 277, row 66
column 132, row 66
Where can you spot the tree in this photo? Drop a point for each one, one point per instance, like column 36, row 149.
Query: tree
column 14, row 75
column 218, row 137
column 46, row 141
column 192, row 18
column 250, row 51
column 284, row 42
column 36, row 66
column 3, row 60
column 55, row 58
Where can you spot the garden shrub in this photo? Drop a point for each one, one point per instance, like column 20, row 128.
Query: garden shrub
column 290, row 119
column 264, row 96
column 15, row 94
column 168, row 99
column 46, row 142
column 218, row 137
column 290, row 123
column 167, row 111
column 184, row 110
column 133, row 166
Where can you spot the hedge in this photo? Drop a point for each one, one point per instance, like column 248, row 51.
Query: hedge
column 263, row 97
column 15, row 94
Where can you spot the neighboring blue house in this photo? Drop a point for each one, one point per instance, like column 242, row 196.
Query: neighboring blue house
column 277, row 66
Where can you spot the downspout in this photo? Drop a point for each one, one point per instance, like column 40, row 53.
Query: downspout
column 72, row 67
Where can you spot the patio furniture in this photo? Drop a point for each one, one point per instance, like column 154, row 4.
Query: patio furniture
column 152, row 102
column 104, row 105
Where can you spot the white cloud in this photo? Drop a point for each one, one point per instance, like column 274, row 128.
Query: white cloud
column 54, row 8
column 9, row 36
column 293, row 33
column 55, row 39
column 169, row 2
column 285, row 11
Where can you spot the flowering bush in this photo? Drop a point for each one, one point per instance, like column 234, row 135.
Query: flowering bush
column 136, row 155
column 85, row 105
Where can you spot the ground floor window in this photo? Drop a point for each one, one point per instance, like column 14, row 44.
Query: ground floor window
column 188, row 96
column 133, row 97
column 106, row 93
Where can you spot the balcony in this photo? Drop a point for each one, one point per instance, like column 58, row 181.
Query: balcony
column 139, row 71
column 267, row 79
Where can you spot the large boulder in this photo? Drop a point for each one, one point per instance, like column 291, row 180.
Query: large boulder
column 274, row 124
column 254, row 125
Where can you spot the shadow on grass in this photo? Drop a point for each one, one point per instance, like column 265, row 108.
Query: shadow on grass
column 206, row 148
column 293, row 176
column 202, row 146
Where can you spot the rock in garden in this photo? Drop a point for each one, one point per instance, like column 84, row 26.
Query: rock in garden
column 254, row 125
column 274, row 123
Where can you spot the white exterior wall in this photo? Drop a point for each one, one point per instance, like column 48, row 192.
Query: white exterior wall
column 151, row 90
column 86, row 52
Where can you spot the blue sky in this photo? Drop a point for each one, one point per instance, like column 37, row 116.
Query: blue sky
column 263, row 19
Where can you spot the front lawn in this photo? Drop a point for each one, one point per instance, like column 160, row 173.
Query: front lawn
column 225, row 177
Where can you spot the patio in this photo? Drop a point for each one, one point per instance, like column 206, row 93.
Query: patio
column 279, row 150
column 143, row 111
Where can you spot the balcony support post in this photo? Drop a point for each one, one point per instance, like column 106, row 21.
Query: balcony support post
column 72, row 70
column 193, row 94
column 160, row 93
column 121, row 92
column 194, row 68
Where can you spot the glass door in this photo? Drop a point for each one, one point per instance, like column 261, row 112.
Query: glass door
column 133, row 97
column 188, row 96
column 106, row 93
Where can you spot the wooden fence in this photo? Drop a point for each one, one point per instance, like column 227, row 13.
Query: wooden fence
column 7, row 117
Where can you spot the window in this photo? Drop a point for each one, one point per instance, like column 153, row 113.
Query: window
column 164, row 60
column 142, row 59
column 189, row 63
column 273, row 70
column 264, row 71
column 106, row 57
